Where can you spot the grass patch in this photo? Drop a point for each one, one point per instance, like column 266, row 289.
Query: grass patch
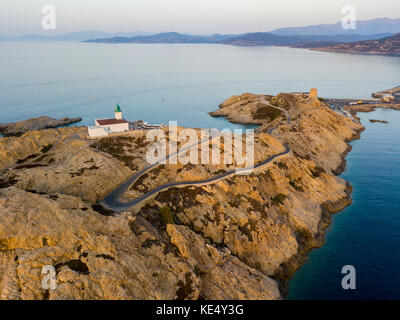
column 185, row 289
column 46, row 148
column 283, row 166
column 246, row 230
column 278, row 199
column 317, row 171
column 166, row 215
column 265, row 112
column 296, row 184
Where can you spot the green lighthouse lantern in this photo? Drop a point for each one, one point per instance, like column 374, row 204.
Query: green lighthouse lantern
column 118, row 112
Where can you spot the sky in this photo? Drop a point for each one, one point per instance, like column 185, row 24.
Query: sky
column 19, row 17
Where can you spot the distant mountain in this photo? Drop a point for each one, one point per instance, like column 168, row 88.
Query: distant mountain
column 249, row 39
column 166, row 37
column 365, row 27
column 74, row 36
column 270, row 39
column 385, row 46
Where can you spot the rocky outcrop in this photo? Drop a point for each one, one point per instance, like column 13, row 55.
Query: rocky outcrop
column 246, row 109
column 378, row 121
column 19, row 128
column 121, row 257
column 240, row 238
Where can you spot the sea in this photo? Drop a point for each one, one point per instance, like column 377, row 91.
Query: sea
column 159, row 83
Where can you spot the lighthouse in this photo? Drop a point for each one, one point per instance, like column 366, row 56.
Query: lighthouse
column 103, row 127
column 118, row 112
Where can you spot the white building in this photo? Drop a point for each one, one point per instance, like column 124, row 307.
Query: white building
column 97, row 132
column 103, row 127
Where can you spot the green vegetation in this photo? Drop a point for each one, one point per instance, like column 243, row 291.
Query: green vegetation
column 296, row 184
column 166, row 215
column 185, row 289
column 149, row 243
column 115, row 146
column 235, row 203
column 281, row 165
column 317, row 171
column 198, row 272
column 248, row 228
column 265, row 112
column 110, row 145
column 278, row 199
column 284, row 100
column 81, row 171
column 46, row 148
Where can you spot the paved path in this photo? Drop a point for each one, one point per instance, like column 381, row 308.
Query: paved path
column 112, row 201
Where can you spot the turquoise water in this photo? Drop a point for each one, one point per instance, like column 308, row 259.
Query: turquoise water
column 158, row 83
column 366, row 234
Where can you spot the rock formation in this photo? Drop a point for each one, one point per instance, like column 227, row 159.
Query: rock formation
column 240, row 238
column 18, row 128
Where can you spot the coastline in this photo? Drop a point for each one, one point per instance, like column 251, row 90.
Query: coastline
column 262, row 225
column 329, row 208
column 377, row 53
column 365, row 233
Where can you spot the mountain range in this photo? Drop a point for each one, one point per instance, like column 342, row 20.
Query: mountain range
column 249, row 39
column 310, row 36
column 167, row 37
column 365, row 30
column 363, row 27
column 271, row 39
column 370, row 36
column 74, row 36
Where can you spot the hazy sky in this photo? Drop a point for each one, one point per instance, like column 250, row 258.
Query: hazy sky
column 192, row 16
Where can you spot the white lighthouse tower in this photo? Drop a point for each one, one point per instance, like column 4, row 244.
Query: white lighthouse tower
column 118, row 112
column 103, row 127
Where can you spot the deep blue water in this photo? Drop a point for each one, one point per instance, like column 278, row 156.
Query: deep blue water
column 158, row 83
column 367, row 233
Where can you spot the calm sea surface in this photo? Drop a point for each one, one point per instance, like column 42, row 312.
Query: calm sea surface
column 367, row 233
column 158, row 83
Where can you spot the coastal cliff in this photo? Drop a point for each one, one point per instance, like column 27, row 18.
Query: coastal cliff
column 15, row 129
column 240, row 238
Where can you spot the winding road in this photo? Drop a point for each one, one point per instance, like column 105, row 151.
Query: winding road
column 112, row 200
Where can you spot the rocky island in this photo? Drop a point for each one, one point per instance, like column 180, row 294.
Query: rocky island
column 378, row 121
column 239, row 238
column 19, row 128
